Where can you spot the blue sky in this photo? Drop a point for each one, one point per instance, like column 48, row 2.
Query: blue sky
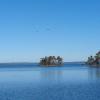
column 30, row 29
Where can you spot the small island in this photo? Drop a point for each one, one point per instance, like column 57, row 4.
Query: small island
column 94, row 60
column 51, row 61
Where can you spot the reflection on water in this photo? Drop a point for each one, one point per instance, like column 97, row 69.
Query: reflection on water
column 94, row 73
column 51, row 76
column 64, row 74
column 44, row 75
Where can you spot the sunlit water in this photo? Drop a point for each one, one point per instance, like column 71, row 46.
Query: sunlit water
column 33, row 82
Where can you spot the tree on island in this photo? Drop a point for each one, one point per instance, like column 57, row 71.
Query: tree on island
column 51, row 60
column 94, row 60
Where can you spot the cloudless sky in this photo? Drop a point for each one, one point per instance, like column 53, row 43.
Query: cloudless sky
column 31, row 29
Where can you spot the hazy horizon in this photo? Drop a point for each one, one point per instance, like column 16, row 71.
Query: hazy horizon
column 31, row 29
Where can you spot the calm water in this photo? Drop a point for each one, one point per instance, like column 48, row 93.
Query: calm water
column 31, row 82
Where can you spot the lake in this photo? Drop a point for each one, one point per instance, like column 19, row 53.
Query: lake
column 28, row 81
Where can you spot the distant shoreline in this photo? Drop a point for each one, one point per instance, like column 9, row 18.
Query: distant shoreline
column 82, row 62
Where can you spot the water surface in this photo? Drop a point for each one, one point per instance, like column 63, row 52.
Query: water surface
column 72, row 81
